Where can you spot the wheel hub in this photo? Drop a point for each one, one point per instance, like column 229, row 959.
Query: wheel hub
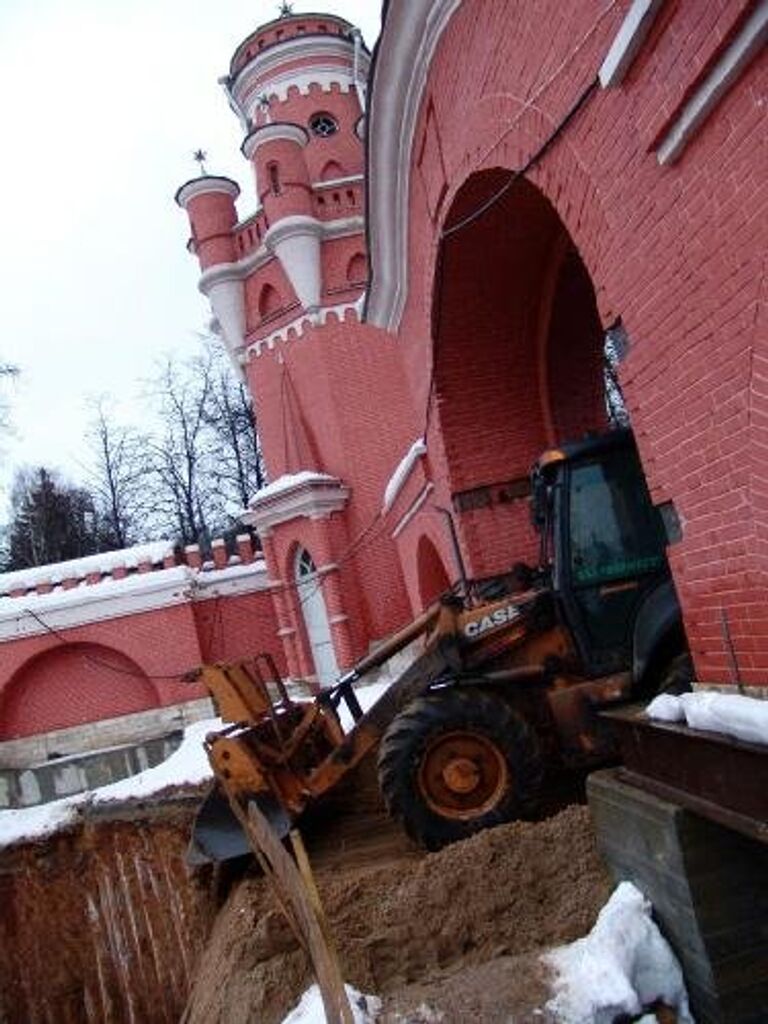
column 462, row 774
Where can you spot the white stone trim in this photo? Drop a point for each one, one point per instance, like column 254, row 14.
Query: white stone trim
column 277, row 131
column 628, row 41
column 323, row 78
column 262, row 73
column 235, row 579
column 408, row 41
column 732, row 63
column 414, row 510
column 296, row 243
column 329, row 229
column 402, row 472
column 206, row 185
column 110, row 599
column 312, row 496
column 299, row 325
column 350, row 179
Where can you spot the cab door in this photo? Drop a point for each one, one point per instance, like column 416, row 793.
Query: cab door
column 613, row 554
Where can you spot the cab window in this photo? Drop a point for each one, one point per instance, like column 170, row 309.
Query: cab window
column 615, row 531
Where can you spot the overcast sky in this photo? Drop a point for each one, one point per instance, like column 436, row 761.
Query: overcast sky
column 102, row 104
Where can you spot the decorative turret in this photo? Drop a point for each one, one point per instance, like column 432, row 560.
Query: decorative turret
column 210, row 204
column 297, row 86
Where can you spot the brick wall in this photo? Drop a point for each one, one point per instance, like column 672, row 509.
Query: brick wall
column 677, row 251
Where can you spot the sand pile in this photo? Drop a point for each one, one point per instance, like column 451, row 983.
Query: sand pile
column 453, row 929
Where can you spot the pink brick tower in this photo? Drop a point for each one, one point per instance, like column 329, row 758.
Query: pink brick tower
column 286, row 286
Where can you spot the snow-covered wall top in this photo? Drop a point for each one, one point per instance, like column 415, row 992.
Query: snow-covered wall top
column 78, row 568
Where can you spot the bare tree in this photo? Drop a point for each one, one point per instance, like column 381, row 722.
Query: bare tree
column 614, row 350
column 179, row 459
column 238, row 466
column 7, row 372
column 118, row 477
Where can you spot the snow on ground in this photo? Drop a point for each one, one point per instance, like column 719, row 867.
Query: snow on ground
column 623, row 965
column 367, row 697
column 310, row 1009
column 38, row 822
column 745, row 718
column 187, row 766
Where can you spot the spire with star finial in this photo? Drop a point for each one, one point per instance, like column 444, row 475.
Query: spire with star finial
column 286, row 9
column 200, row 156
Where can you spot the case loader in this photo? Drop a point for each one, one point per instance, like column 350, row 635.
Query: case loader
column 509, row 678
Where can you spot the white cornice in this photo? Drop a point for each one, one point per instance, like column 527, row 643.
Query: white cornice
column 350, row 179
column 204, row 186
column 110, row 599
column 307, row 495
column 297, row 327
column 329, row 229
column 409, row 39
column 309, row 49
column 322, row 77
column 277, row 131
column 290, row 227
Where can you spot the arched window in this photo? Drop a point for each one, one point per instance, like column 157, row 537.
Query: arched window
column 312, row 602
column 331, row 171
column 270, row 302
column 274, row 178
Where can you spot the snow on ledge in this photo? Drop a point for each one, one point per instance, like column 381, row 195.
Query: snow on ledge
column 623, row 965
column 744, row 718
column 188, row 766
column 78, row 568
column 289, row 482
column 397, row 481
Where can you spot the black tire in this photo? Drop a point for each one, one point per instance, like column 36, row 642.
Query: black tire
column 678, row 675
column 471, row 737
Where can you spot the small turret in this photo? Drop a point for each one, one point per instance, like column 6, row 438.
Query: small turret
column 210, row 205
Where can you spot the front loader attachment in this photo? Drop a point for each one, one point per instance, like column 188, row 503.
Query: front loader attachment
column 217, row 835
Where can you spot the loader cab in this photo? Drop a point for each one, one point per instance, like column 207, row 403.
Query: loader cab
column 603, row 545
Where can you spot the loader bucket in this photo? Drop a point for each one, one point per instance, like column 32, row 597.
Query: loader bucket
column 216, row 833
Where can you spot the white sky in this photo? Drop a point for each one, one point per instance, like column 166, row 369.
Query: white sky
column 102, row 103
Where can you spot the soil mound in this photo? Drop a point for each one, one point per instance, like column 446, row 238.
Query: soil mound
column 416, row 928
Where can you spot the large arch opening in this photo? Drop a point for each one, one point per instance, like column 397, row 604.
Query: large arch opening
column 432, row 576
column 70, row 685
column 518, row 357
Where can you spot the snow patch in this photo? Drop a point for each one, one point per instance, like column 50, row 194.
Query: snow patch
column 396, row 482
column 310, row 1009
column 77, row 568
column 290, row 481
column 86, row 593
column 745, row 718
column 623, row 965
column 187, row 766
column 29, row 823
column 367, row 697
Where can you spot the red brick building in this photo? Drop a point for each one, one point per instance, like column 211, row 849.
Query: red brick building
column 531, row 181
column 528, row 183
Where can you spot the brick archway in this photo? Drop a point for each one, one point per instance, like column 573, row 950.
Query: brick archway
column 517, row 357
column 70, row 685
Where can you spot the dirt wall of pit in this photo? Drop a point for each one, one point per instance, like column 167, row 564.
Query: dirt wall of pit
column 102, row 923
